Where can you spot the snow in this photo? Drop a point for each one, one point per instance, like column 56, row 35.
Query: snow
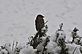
column 28, row 50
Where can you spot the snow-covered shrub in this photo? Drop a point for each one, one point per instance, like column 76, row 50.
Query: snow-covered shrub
column 73, row 48
column 3, row 51
column 60, row 33
column 52, row 47
column 28, row 50
column 80, row 42
column 41, row 48
column 8, row 48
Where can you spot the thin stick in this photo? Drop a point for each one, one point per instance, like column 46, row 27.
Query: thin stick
column 13, row 46
column 74, row 50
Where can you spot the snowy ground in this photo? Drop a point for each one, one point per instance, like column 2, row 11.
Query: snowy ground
column 17, row 17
